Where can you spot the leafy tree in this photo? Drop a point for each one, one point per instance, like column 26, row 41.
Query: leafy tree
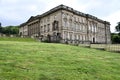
column 118, row 28
column 0, row 28
column 0, row 24
column 115, row 38
column 10, row 30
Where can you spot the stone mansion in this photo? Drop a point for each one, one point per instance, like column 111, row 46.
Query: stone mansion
column 65, row 25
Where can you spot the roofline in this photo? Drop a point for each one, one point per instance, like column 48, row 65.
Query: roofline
column 63, row 7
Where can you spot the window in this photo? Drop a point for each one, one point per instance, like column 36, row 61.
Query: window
column 55, row 25
column 70, row 36
column 44, row 20
column 48, row 27
column 44, row 28
column 77, row 26
column 70, row 24
column 55, row 17
column 74, row 26
column 82, row 19
column 65, row 23
column 78, row 37
column 41, row 28
column 41, row 21
column 68, row 17
column 65, row 35
column 74, row 18
column 48, row 19
column 75, row 37
column 83, row 27
column 63, row 15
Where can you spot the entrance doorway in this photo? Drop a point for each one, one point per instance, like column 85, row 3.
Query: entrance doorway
column 93, row 40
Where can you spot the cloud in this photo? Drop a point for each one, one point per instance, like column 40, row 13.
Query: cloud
column 113, row 19
column 15, row 12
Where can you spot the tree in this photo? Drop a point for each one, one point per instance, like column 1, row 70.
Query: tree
column 0, row 28
column 115, row 38
column 118, row 28
column 0, row 24
column 10, row 30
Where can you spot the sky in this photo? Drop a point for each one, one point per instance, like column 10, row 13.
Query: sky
column 15, row 12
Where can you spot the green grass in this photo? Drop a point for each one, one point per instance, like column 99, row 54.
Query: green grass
column 48, row 61
column 17, row 39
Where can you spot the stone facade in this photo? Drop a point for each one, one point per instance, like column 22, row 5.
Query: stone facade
column 66, row 25
column 23, row 30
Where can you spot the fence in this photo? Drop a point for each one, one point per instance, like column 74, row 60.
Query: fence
column 107, row 47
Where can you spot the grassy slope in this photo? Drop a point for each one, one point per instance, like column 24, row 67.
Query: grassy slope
column 43, row 61
column 17, row 39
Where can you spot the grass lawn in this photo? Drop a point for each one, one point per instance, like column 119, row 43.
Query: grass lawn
column 48, row 61
column 17, row 39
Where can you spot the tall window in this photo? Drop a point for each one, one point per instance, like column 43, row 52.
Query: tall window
column 65, row 35
column 45, row 20
column 75, row 37
column 74, row 18
column 70, row 24
column 63, row 15
column 55, row 17
column 44, row 28
column 67, row 23
column 55, row 25
column 48, row 19
column 48, row 27
column 64, row 23
column 74, row 26
column 78, row 37
column 68, row 17
column 41, row 21
column 70, row 36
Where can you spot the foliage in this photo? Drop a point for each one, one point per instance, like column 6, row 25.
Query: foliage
column 115, row 38
column 10, row 30
column 48, row 61
column 118, row 27
column 0, row 28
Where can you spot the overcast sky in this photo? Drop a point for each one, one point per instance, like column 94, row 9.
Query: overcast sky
column 15, row 12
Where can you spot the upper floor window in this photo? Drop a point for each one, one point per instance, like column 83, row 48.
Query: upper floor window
column 55, row 17
column 74, row 18
column 64, row 23
column 41, row 21
column 41, row 28
column 48, row 19
column 64, row 15
column 55, row 25
column 44, row 28
column 48, row 27
column 68, row 16
column 45, row 20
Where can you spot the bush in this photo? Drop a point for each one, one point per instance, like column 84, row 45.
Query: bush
column 115, row 38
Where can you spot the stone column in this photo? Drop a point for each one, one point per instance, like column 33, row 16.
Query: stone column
column 87, row 27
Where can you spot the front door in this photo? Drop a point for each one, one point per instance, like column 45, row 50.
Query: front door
column 93, row 40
